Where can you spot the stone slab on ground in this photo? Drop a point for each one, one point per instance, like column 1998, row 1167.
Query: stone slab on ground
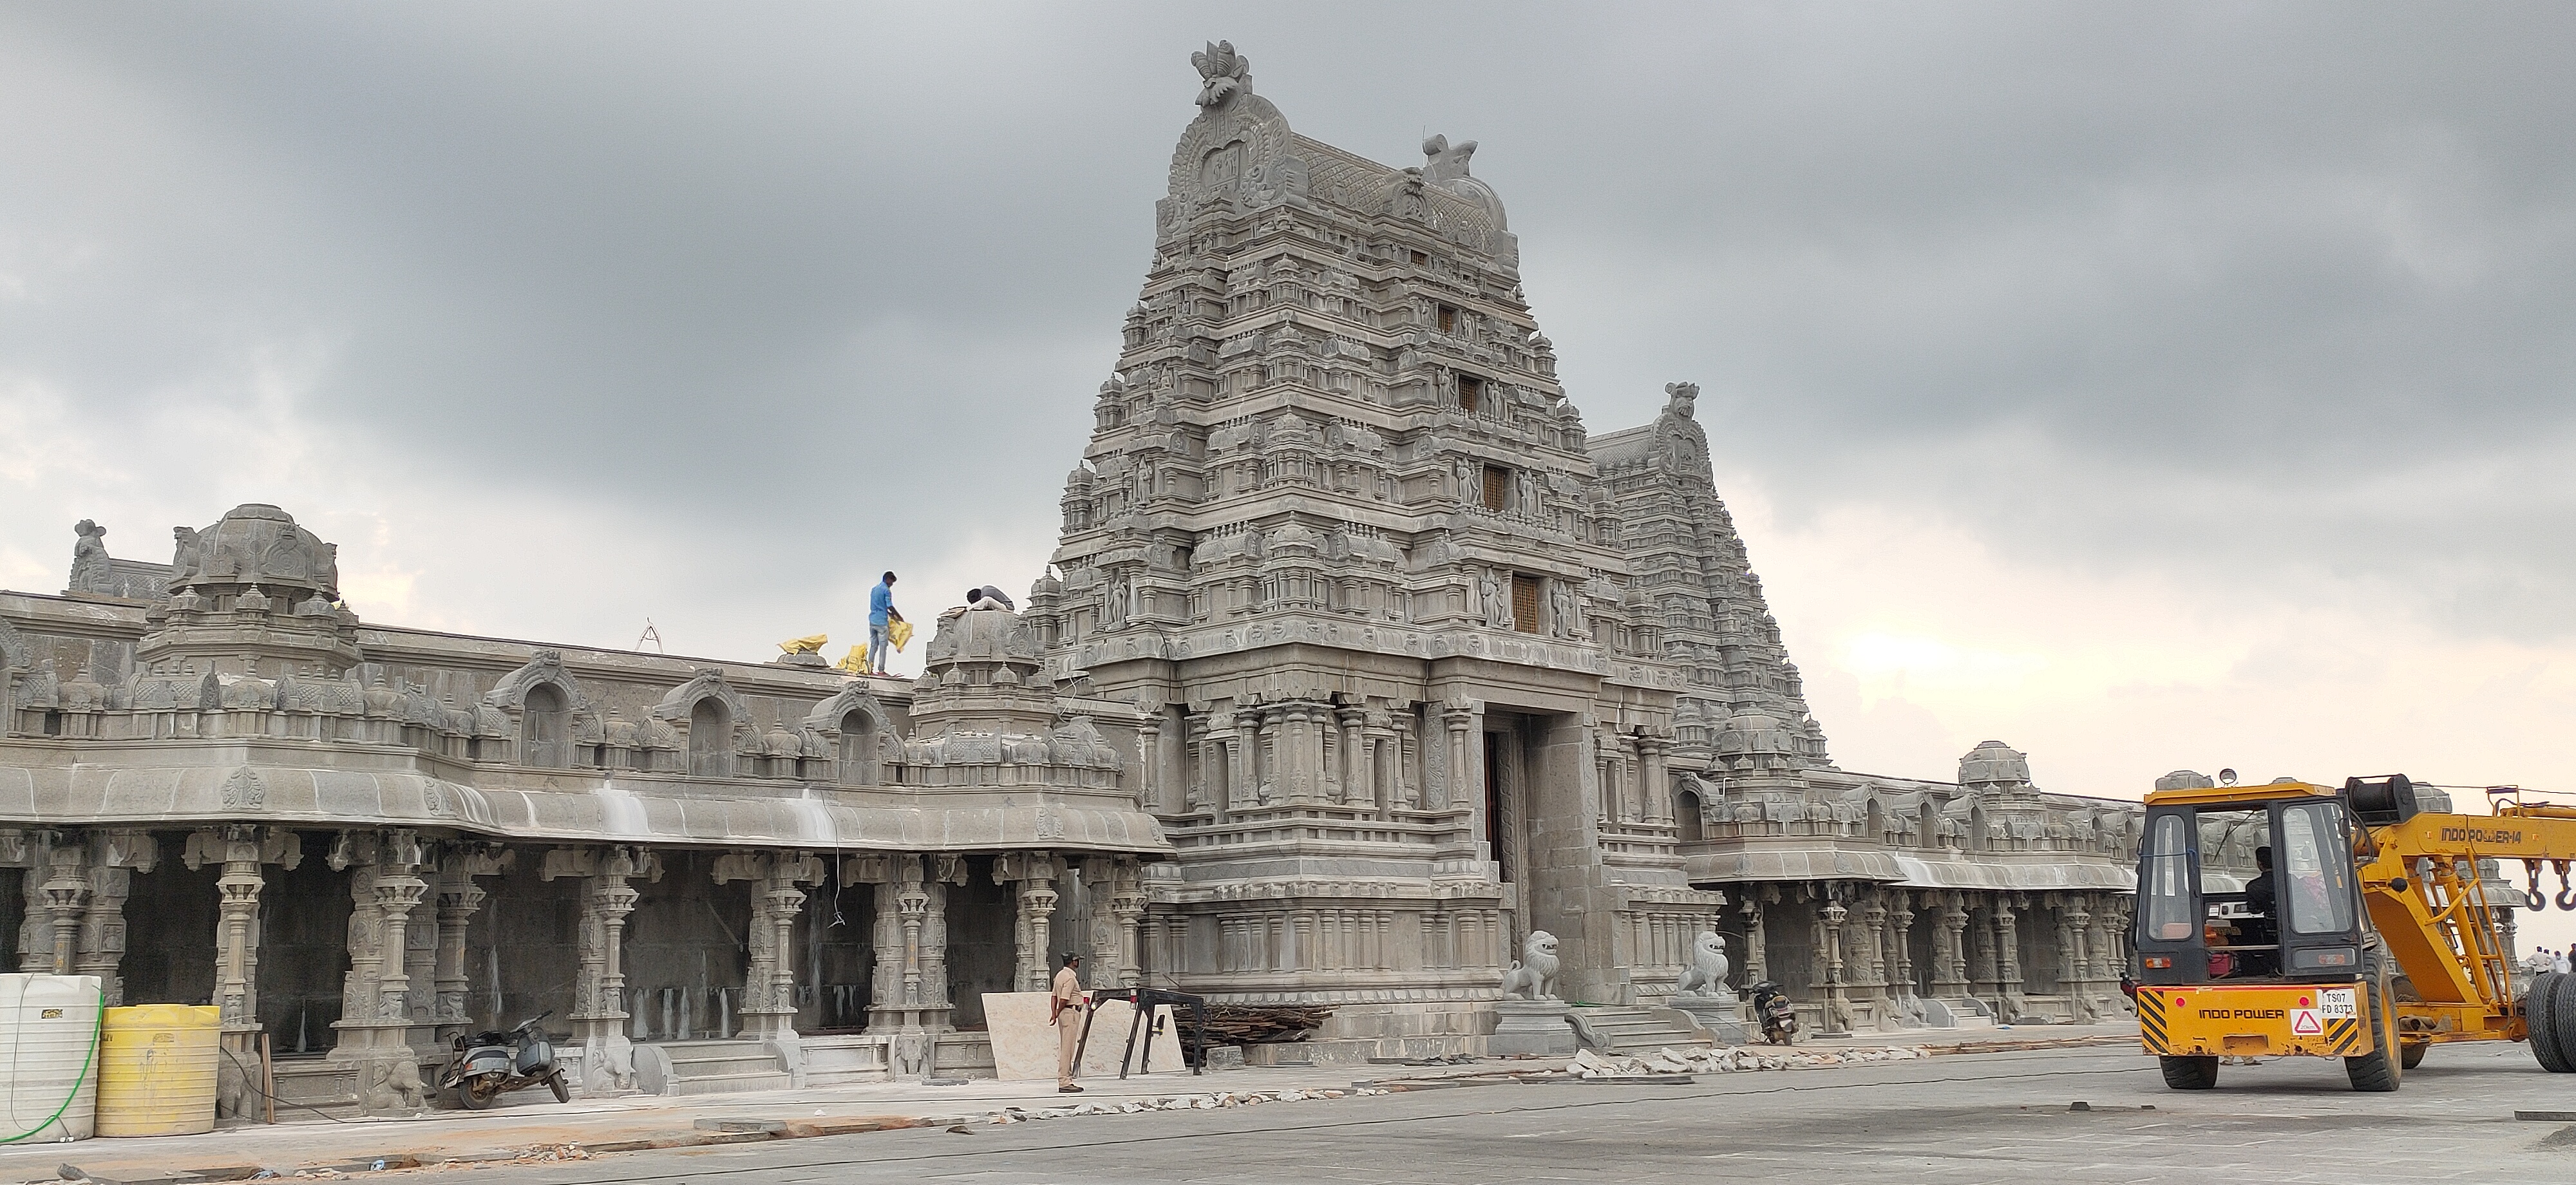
column 1024, row 1042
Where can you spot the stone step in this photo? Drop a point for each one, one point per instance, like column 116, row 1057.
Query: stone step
column 721, row 1067
column 1633, row 1030
column 729, row 1083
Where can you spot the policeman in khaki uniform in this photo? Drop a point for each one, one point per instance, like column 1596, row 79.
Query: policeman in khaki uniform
column 1064, row 1009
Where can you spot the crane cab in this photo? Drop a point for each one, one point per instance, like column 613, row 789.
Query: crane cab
column 2282, row 963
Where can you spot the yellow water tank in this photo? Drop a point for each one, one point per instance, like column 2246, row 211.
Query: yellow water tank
column 48, row 1057
column 156, row 1070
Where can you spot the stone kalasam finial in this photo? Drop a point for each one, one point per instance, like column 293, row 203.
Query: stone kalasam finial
column 1222, row 72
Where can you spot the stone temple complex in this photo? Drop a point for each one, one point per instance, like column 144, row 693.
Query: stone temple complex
column 1361, row 662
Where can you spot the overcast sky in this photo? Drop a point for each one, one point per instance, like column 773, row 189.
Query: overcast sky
column 2147, row 386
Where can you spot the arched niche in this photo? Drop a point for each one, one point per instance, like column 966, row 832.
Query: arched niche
column 546, row 708
column 711, row 716
column 545, row 728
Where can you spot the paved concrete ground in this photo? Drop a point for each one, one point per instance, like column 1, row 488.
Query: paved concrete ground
column 1973, row 1118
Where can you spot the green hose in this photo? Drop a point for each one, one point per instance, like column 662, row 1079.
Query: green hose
column 87, row 1056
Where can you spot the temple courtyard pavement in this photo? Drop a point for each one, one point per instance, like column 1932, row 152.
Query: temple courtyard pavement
column 2011, row 1114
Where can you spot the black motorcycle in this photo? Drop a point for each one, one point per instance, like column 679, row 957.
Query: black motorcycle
column 490, row 1064
column 1779, row 1018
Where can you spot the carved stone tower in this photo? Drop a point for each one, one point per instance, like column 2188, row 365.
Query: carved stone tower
column 1337, row 535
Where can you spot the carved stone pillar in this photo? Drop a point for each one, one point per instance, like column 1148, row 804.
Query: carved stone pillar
column 1032, row 931
column 1149, row 759
column 1757, row 960
column 1950, row 959
column 1871, row 948
column 458, row 899
column 2111, row 923
column 1658, row 788
column 769, row 984
column 910, row 991
column 1837, row 1018
column 1225, row 765
column 1358, row 767
column 1407, row 790
column 1900, row 945
column 1981, row 953
column 1462, row 790
column 599, row 1016
column 2008, row 959
column 240, row 849
column 1291, row 731
column 1206, row 774
column 114, row 858
column 1242, row 738
column 375, row 1022
column 2075, row 962
column 1119, row 899
column 65, row 899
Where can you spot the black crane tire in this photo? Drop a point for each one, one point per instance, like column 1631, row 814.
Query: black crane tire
column 2411, row 1056
column 2189, row 1073
column 2540, row 1012
column 2381, row 1069
column 2562, row 1019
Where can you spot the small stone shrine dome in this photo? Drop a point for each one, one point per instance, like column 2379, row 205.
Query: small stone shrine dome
column 255, row 544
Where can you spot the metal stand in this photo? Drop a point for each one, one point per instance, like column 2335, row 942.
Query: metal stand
column 1146, row 1000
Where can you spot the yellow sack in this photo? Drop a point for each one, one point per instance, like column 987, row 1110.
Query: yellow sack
column 856, row 661
column 898, row 632
column 810, row 644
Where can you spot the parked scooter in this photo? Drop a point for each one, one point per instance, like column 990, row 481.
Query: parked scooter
column 490, row 1064
column 1779, row 1018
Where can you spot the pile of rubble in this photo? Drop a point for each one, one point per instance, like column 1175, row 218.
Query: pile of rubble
column 1589, row 1064
column 1187, row 1102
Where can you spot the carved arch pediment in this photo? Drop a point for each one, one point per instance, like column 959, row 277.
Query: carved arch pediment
column 708, row 681
column 827, row 716
column 543, row 667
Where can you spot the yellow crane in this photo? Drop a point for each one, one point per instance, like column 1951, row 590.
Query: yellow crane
column 2368, row 935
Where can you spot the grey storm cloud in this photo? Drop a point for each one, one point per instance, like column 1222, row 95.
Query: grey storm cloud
column 2279, row 288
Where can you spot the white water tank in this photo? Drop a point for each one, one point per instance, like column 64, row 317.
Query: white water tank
column 48, row 1058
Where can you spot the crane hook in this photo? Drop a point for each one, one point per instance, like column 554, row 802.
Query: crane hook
column 2532, row 896
column 2566, row 892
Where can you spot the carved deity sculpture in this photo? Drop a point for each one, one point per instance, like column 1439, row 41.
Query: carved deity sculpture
column 1561, row 604
column 1115, row 617
column 1533, row 975
column 1498, row 611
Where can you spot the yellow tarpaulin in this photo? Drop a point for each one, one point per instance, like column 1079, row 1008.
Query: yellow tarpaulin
column 856, row 661
column 898, row 632
column 812, row 644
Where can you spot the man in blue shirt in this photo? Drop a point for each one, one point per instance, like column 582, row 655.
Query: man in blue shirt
column 881, row 611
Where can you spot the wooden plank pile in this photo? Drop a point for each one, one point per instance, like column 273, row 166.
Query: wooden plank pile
column 1260, row 1024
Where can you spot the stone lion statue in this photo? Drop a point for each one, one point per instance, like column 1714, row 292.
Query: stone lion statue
column 1705, row 978
column 1533, row 975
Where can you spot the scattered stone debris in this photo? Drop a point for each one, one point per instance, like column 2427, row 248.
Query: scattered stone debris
column 1734, row 1060
column 1191, row 1102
